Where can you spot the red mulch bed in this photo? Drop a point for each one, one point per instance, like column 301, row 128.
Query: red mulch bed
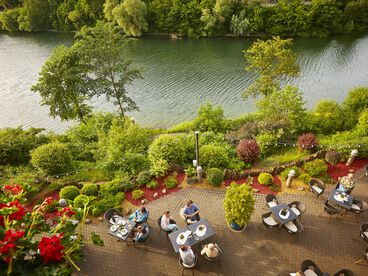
column 30, row 205
column 262, row 189
column 148, row 193
column 340, row 169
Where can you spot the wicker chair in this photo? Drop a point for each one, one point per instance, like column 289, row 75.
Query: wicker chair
column 294, row 227
column 269, row 221
column 167, row 232
column 271, row 201
column 142, row 240
column 190, row 267
column 109, row 213
column 359, row 206
column 216, row 258
column 298, row 208
column 329, row 209
column 309, row 265
column 365, row 257
column 344, row 272
column 317, row 187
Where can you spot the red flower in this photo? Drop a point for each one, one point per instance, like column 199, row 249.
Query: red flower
column 48, row 200
column 14, row 189
column 66, row 211
column 8, row 244
column 18, row 215
column 51, row 249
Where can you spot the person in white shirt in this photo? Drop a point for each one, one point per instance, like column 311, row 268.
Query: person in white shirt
column 187, row 255
column 210, row 250
column 167, row 223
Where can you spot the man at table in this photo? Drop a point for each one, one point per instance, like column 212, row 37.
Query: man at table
column 346, row 183
column 140, row 215
column 191, row 212
column 187, row 255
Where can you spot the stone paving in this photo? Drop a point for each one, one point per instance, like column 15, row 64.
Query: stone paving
column 256, row 251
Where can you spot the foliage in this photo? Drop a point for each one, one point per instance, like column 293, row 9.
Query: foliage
column 284, row 173
column 185, row 126
column 305, row 178
column 90, row 189
column 316, row 167
column 69, row 192
column 268, row 142
column 328, row 117
column 143, row 177
column 159, row 168
column 9, row 19
column 212, row 156
column 167, row 147
column 107, row 201
column 239, row 204
column 171, row 181
column 333, row 157
column 362, row 126
column 34, row 15
column 307, row 141
column 210, row 118
column 215, row 176
column 240, row 24
column 190, row 171
column 248, row 151
column 80, row 200
column 153, row 184
column 270, row 60
column 355, row 102
column 286, row 155
column 115, row 186
column 137, row 194
column 96, row 239
column 265, row 179
column 52, row 158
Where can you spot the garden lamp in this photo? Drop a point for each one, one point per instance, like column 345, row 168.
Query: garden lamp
column 353, row 154
column 289, row 180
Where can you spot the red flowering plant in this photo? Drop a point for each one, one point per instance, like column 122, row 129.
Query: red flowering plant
column 28, row 241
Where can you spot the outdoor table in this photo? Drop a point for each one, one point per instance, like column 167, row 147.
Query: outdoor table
column 276, row 211
column 344, row 204
column 192, row 238
column 129, row 226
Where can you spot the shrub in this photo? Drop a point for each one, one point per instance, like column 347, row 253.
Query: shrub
column 167, row 147
column 210, row 118
column 215, row 176
column 106, row 202
column 190, row 172
column 212, row 156
column 239, row 204
column 152, row 184
column 159, row 168
column 362, row 126
column 51, row 207
column 69, row 192
column 333, row 157
column 53, row 158
column 355, row 102
column 80, row 200
column 305, row 178
column 143, row 177
column 307, row 141
column 185, row 126
column 137, row 194
column 248, row 151
column 116, row 185
column 328, row 116
column 284, row 173
column 90, row 189
column 265, row 179
column 316, row 167
column 268, row 142
column 171, row 181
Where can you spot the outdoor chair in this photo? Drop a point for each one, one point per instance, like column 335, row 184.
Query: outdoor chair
column 141, row 241
column 269, row 221
column 216, row 258
column 309, row 267
column 109, row 213
column 317, row 187
column 344, row 272
column 365, row 257
column 163, row 230
column 329, row 209
column 363, row 232
column 190, row 267
column 271, row 201
column 298, row 208
column 294, row 227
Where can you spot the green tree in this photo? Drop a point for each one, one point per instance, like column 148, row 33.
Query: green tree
column 64, row 84
column 328, row 116
column 270, row 60
column 104, row 50
column 34, row 15
column 108, row 8
column 362, row 126
column 210, row 118
column 9, row 19
column 9, row 4
column 130, row 15
column 240, row 24
column 356, row 101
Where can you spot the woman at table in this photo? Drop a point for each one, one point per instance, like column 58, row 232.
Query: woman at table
column 187, row 255
column 139, row 233
column 346, row 183
column 167, row 223
column 140, row 215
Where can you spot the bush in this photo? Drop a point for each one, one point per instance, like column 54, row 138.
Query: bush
column 190, row 172
column 333, row 157
column 305, row 178
column 152, row 184
column 69, row 192
column 116, row 185
column 355, row 102
column 239, row 204
column 182, row 127
column 171, row 181
column 307, row 141
column 167, row 147
column 268, row 142
column 215, row 177
column 328, row 117
column 212, row 156
column 362, row 126
column 159, row 168
column 90, row 189
column 265, row 179
column 106, row 202
column 210, row 118
column 53, row 158
column 143, row 178
column 80, row 200
column 284, row 173
column 51, row 207
column 248, row 151
column 137, row 194
column 316, row 167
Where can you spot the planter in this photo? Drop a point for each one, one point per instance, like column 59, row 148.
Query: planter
column 192, row 180
column 236, row 227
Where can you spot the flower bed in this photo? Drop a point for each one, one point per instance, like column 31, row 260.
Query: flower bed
column 256, row 185
column 340, row 169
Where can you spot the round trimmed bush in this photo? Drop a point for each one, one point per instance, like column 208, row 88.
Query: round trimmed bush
column 90, row 189
column 167, row 147
column 53, row 158
column 305, row 178
column 307, row 141
column 212, row 156
column 137, row 194
column 152, row 184
column 265, row 179
column 80, row 200
column 316, row 167
column 215, row 176
column 69, row 192
column 248, row 151
column 333, row 157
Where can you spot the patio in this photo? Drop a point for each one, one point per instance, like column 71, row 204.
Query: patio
column 257, row 251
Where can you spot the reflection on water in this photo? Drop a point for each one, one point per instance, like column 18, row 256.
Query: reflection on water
column 180, row 75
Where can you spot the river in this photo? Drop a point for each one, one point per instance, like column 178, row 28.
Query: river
column 179, row 75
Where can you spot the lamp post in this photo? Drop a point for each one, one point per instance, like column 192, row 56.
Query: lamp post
column 353, row 154
column 199, row 168
column 289, row 180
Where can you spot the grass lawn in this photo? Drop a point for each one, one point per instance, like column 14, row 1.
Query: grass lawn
column 285, row 156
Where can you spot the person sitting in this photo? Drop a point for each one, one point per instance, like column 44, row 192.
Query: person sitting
column 191, row 213
column 346, row 183
column 140, row 215
column 187, row 255
column 211, row 251
column 167, row 223
column 140, row 234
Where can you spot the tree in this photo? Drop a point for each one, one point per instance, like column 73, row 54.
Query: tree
column 104, row 50
column 130, row 15
column 270, row 60
column 327, row 16
column 108, row 8
column 34, row 15
column 286, row 106
column 210, row 118
column 64, row 84
column 328, row 116
column 240, row 24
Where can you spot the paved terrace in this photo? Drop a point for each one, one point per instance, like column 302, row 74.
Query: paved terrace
column 257, row 251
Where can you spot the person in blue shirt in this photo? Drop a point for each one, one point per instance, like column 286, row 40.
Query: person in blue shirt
column 191, row 212
column 140, row 215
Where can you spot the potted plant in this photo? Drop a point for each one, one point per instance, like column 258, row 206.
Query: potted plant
column 191, row 175
column 239, row 206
